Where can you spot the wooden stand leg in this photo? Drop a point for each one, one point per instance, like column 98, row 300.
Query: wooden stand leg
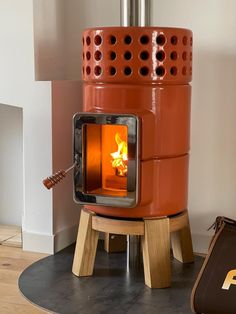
column 115, row 242
column 156, row 253
column 86, row 246
column 181, row 241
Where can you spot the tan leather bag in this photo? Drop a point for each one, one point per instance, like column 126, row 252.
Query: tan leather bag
column 214, row 291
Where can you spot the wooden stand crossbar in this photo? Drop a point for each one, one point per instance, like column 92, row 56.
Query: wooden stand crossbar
column 156, row 234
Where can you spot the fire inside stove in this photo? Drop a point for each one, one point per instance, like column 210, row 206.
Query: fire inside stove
column 106, row 159
column 120, row 157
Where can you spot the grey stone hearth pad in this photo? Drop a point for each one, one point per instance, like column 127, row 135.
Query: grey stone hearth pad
column 113, row 288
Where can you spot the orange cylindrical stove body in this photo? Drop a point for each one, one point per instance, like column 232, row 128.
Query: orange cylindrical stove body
column 145, row 72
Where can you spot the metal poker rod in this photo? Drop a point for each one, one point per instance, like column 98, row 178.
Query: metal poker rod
column 51, row 181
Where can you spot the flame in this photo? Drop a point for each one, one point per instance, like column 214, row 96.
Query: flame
column 120, row 157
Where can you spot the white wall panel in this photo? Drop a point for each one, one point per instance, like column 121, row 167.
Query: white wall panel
column 11, row 165
column 18, row 88
column 58, row 27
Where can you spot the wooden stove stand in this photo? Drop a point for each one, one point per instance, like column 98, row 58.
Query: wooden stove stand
column 156, row 234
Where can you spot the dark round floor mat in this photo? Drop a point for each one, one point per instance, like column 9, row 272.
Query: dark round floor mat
column 113, row 288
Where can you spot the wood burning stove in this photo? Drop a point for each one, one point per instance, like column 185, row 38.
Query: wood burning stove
column 136, row 89
column 131, row 142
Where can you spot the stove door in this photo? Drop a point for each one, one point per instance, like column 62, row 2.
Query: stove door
column 106, row 150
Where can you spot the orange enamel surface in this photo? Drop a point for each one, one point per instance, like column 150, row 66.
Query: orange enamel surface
column 163, row 190
column 164, row 112
column 161, row 101
column 137, row 54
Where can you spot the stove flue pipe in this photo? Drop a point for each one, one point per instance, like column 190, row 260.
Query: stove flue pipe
column 135, row 12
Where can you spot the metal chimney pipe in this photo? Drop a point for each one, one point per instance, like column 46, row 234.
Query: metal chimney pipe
column 125, row 12
column 144, row 12
column 135, row 12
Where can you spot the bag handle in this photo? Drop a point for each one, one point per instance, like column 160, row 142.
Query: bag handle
column 219, row 222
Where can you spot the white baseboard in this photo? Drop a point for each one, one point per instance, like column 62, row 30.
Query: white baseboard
column 201, row 243
column 49, row 244
column 37, row 242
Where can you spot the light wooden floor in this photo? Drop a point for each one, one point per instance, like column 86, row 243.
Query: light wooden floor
column 12, row 262
column 10, row 235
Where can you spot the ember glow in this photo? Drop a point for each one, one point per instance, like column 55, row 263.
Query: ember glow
column 120, row 157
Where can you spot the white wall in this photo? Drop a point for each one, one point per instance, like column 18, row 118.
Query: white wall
column 11, row 165
column 58, row 28
column 66, row 101
column 50, row 45
column 18, row 88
